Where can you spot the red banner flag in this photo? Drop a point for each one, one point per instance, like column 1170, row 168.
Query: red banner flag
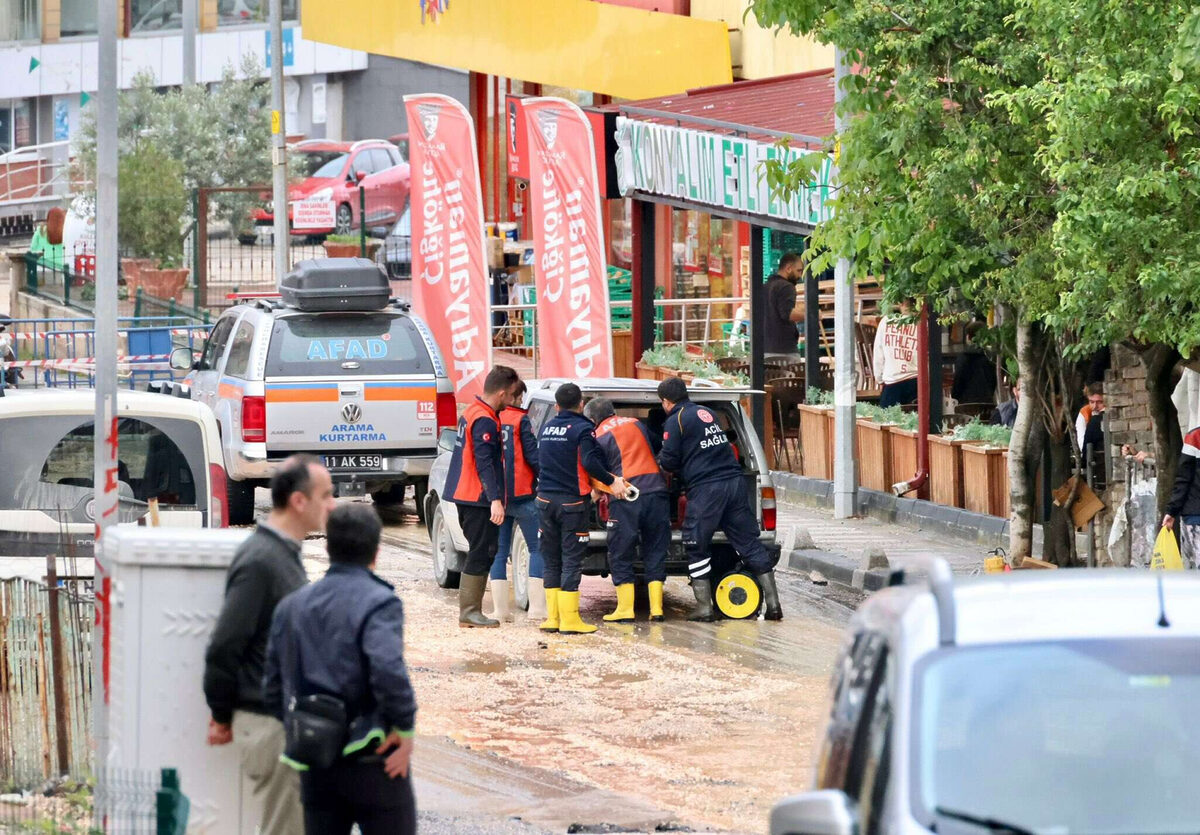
column 574, row 332
column 449, row 261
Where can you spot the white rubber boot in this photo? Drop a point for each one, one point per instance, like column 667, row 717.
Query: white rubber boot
column 501, row 602
column 537, row 600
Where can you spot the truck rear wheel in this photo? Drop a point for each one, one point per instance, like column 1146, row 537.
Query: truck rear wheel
column 240, row 495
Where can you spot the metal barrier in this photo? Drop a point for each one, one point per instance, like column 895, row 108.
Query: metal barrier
column 674, row 320
column 60, row 352
column 36, row 174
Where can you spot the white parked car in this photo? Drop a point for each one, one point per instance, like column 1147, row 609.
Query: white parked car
column 169, row 450
column 1037, row 701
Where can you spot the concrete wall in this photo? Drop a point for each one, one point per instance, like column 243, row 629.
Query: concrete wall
column 373, row 101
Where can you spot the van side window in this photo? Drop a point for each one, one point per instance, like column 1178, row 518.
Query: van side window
column 239, row 351
column 215, row 346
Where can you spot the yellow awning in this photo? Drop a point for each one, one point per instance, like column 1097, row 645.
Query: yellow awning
column 579, row 44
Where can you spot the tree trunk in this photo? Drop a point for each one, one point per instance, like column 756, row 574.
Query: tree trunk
column 1160, row 362
column 1022, row 455
column 1058, row 544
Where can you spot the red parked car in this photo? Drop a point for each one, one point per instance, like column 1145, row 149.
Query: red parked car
column 334, row 170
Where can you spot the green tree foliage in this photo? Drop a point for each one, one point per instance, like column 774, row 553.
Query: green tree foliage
column 150, row 213
column 220, row 134
column 1122, row 103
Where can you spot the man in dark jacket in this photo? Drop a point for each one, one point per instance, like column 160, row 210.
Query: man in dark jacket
column 265, row 569
column 1184, row 504
column 568, row 459
column 343, row 636
column 697, row 448
column 475, row 483
column 780, row 335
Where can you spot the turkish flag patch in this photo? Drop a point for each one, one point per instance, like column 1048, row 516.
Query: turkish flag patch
column 487, row 436
column 666, row 435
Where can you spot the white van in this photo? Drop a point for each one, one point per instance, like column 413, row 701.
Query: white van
column 169, row 450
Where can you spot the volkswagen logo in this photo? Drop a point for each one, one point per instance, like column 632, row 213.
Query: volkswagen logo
column 352, row 412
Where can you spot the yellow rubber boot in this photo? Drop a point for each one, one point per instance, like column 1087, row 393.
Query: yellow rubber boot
column 550, row 624
column 655, row 590
column 568, row 614
column 624, row 611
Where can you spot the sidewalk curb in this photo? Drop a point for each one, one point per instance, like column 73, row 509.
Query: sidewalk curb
column 976, row 529
column 837, row 568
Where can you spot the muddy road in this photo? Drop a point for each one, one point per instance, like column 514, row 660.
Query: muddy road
column 639, row 727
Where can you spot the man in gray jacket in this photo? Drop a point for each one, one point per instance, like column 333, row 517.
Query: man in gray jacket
column 266, row 569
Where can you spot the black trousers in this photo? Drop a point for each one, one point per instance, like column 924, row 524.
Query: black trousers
column 563, row 540
column 722, row 506
column 357, row 791
column 483, row 538
column 647, row 520
column 899, row 394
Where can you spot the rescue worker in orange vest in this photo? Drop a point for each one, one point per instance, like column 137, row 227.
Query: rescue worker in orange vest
column 475, row 483
column 520, row 486
column 568, row 456
column 630, row 452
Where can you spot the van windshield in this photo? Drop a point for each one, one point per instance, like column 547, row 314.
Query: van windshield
column 340, row 345
column 48, row 463
column 1093, row 737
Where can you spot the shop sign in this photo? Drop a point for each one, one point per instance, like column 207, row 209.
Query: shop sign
column 449, row 266
column 574, row 333
column 715, row 169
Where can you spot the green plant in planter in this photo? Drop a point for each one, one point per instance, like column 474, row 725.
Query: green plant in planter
column 343, row 239
column 818, row 397
column 152, row 206
column 985, row 432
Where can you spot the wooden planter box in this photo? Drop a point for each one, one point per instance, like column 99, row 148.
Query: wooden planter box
column 622, row 342
column 903, row 455
column 646, row 372
column 161, row 284
column 985, row 479
column 946, row 471
column 816, row 440
column 131, row 268
column 338, row 250
column 874, row 454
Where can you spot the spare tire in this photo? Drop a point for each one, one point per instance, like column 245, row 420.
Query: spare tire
column 55, row 219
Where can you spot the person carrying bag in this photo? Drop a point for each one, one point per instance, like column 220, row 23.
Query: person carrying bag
column 335, row 676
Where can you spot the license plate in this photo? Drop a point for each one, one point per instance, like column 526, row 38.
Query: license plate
column 354, row 462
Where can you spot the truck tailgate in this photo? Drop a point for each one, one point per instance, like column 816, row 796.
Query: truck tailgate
column 352, row 415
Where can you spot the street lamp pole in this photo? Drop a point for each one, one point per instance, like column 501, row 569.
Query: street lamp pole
column 845, row 480
column 104, row 473
column 278, row 144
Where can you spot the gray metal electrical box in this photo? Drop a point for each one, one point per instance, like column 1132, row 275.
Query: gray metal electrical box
column 167, row 588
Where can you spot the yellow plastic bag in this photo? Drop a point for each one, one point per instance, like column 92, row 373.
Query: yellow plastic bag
column 1166, row 552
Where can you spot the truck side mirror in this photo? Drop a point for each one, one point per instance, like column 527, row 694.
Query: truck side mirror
column 181, row 359
column 826, row 812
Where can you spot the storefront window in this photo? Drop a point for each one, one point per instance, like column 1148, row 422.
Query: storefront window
column 620, row 233
column 78, row 18
column 239, row 12
column 20, row 20
column 703, row 256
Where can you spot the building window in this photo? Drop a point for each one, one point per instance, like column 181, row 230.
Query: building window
column 20, row 20
column 16, row 125
column 78, row 18
column 240, row 12
column 155, row 15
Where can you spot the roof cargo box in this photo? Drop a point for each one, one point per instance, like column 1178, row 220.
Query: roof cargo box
column 319, row 285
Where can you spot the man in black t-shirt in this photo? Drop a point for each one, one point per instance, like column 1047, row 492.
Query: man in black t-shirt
column 780, row 334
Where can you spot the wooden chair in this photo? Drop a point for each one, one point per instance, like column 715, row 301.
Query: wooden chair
column 786, row 394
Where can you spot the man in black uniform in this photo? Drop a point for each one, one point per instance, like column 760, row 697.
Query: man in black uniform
column 568, row 458
column 697, row 448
